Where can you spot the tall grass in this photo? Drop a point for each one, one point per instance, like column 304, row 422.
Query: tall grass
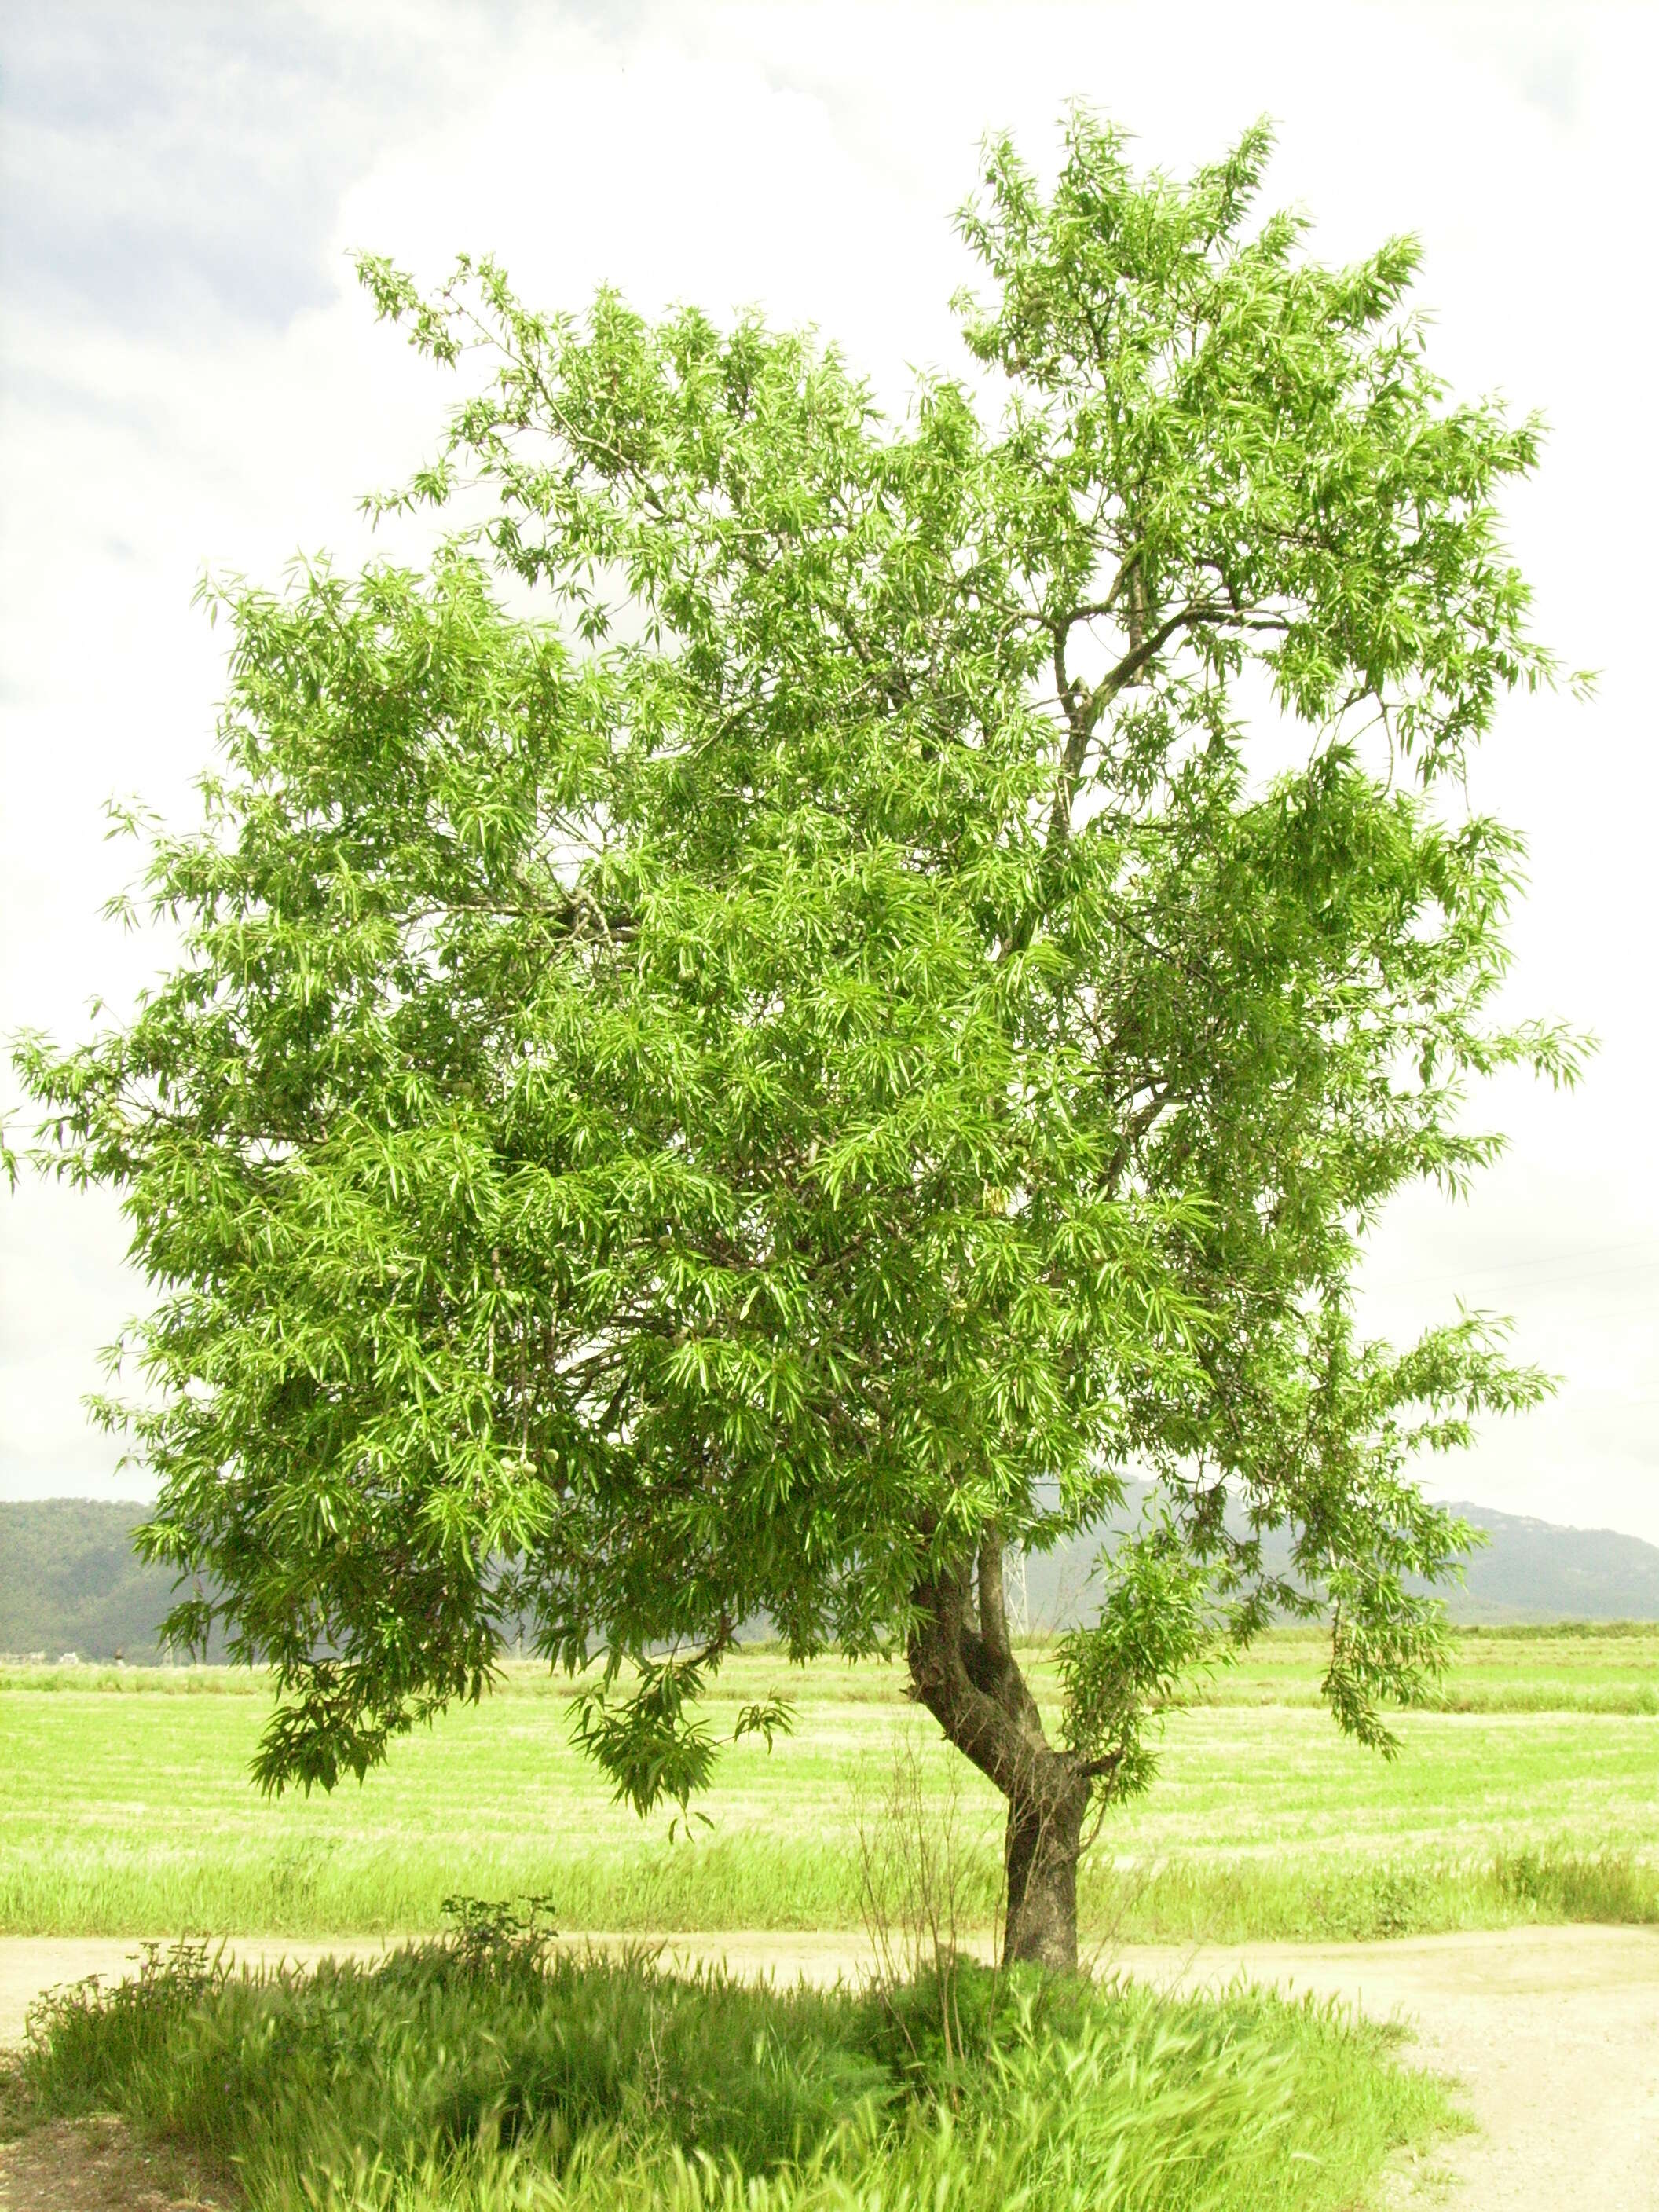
column 497, row 2079
column 765, row 1883
column 1332, row 1901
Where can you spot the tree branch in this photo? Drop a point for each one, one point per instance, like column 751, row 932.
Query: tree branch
column 1095, row 1770
column 993, row 1605
column 1084, row 711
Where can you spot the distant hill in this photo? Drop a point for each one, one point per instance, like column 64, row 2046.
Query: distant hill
column 1530, row 1571
column 68, row 1581
column 1535, row 1570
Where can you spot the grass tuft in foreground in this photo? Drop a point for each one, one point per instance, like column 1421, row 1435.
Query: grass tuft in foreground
column 478, row 2072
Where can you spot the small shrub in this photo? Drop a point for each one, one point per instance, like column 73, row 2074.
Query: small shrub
column 86, row 2039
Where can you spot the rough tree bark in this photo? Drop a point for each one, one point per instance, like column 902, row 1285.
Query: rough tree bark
column 963, row 1668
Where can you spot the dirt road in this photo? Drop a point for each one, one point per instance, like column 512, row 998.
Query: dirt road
column 1553, row 2031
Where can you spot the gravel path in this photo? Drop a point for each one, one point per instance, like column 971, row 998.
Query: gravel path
column 1554, row 2033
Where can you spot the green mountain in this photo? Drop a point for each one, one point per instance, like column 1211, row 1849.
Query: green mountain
column 1530, row 1571
column 1534, row 1570
column 68, row 1581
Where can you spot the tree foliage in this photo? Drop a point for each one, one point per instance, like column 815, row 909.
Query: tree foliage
column 805, row 1061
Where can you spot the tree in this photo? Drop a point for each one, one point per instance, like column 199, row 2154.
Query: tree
column 802, row 1064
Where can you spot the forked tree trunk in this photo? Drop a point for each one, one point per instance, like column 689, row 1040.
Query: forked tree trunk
column 963, row 1670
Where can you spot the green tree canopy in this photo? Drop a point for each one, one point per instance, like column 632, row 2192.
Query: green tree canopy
column 805, row 1061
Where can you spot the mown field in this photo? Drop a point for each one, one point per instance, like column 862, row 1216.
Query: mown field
column 1533, row 1794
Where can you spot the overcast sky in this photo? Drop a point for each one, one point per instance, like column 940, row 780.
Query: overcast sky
column 191, row 380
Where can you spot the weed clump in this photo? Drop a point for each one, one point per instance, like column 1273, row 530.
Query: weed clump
column 493, row 2068
column 1565, row 1886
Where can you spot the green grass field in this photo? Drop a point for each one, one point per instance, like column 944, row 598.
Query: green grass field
column 125, row 1807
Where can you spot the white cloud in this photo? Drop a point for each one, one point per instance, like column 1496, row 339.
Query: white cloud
column 223, row 397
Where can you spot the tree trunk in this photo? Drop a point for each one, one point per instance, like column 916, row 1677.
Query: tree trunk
column 963, row 1670
column 1041, row 1856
